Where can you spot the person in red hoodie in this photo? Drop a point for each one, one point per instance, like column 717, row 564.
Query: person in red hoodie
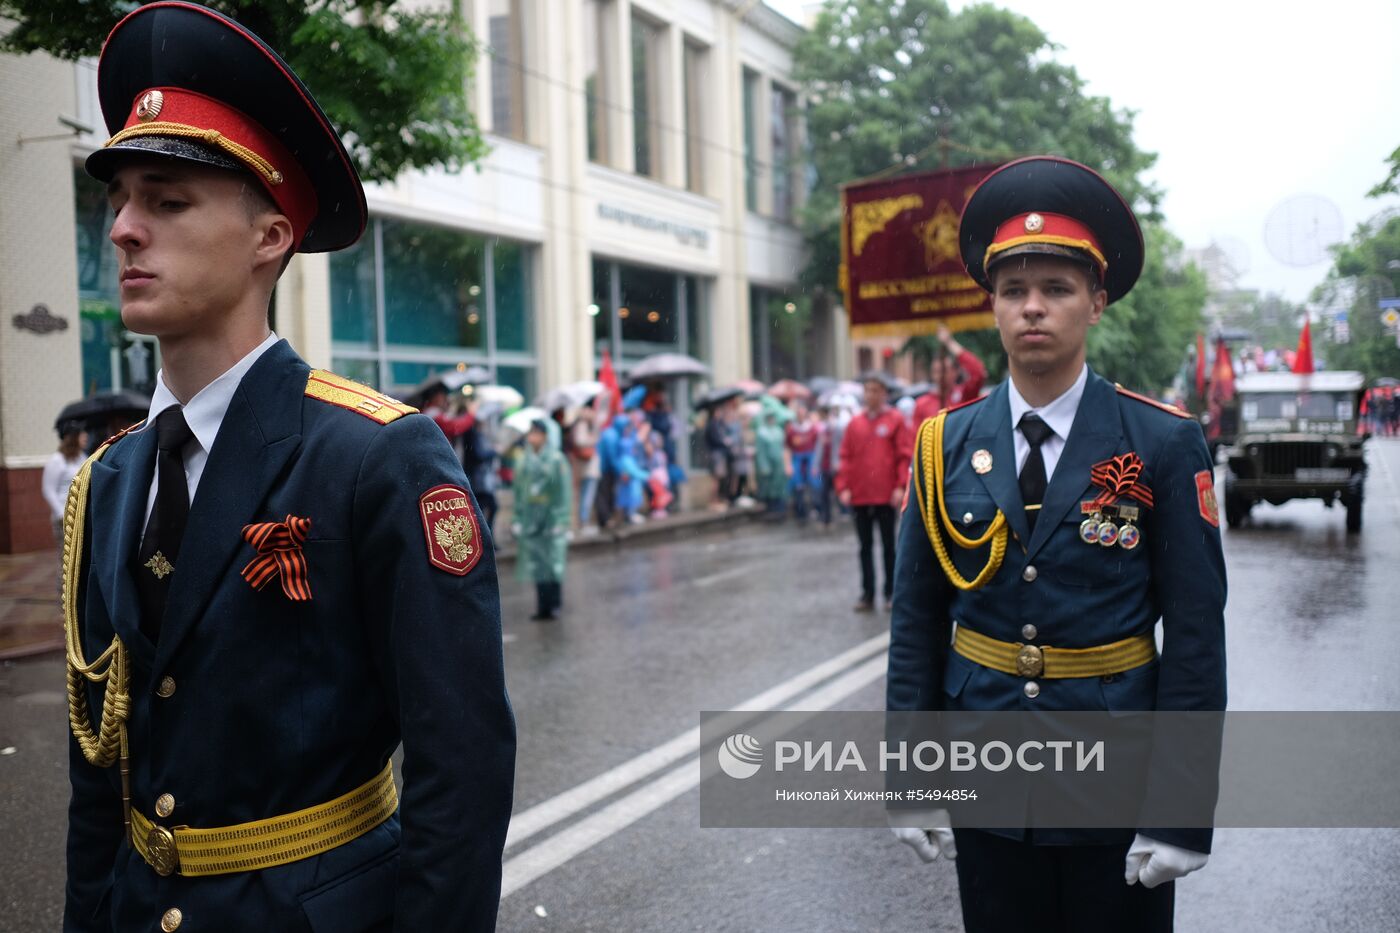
column 956, row 377
column 875, row 452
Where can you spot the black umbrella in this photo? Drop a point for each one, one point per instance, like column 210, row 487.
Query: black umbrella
column 718, row 396
column 106, row 406
column 820, row 385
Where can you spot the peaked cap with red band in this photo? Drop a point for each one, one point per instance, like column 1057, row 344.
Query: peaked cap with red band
column 177, row 80
column 1053, row 207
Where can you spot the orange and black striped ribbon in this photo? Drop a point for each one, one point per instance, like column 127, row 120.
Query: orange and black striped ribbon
column 1119, row 477
column 279, row 554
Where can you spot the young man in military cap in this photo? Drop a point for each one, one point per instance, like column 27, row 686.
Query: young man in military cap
column 1055, row 245
column 281, row 577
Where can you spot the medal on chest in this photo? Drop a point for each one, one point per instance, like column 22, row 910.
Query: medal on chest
column 1117, row 480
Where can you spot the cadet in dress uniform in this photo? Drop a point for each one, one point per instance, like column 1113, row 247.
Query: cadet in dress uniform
column 1055, row 521
column 282, row 576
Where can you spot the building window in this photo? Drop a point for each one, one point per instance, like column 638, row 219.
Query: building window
column 783, row 119
column 781, row 338
column 113, row 357
column 695, row 75
column 751, row 168
column 412, row 299
column 507, row 37
column 646, row 96
column 595, row 60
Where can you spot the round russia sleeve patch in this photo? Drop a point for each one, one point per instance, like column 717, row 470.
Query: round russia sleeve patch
column 449, row 525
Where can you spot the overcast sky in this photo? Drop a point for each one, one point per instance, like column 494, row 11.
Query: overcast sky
column 1249, row 105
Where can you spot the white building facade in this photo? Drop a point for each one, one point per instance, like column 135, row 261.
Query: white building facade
column 646, row 169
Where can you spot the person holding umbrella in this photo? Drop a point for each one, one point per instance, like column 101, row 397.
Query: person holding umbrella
column 60, row 469
column 543, row 512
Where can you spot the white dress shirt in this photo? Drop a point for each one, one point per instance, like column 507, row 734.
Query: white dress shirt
column 1059, row 415
column 204, row 414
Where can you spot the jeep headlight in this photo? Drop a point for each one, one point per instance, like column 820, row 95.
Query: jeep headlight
column 1252, row 450
column 1333, row 451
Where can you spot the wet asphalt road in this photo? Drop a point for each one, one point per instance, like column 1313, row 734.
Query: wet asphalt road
column 654, row 634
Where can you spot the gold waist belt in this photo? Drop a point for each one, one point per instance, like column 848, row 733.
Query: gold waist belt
column 1036, row 661
column 265, row 843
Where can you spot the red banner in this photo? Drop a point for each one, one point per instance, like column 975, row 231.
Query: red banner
column 901, row 268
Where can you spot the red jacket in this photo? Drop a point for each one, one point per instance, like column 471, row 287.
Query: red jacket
column 875, row 456
column 973, row 375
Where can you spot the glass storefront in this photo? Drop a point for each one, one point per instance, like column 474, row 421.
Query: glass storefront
column 439, row 297
column 643, row 310
column 781, row 338
column 113, row 357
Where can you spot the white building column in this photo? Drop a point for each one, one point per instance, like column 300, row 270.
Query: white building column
column 729, row 310
column 40, row 365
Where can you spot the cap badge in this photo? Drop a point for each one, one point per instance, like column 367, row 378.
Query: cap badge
column 148, row 107
column 1034, row 223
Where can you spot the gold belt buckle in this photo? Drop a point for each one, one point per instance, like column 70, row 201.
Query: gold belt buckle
column 1030, row 661
column 160, row 844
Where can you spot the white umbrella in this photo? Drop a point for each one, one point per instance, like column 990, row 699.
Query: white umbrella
column 667, row 366
column 520, row 421
column 573, row 395
column 505, row 396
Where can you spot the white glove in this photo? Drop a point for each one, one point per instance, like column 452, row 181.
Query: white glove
column 928, row 832
column 1153, row 862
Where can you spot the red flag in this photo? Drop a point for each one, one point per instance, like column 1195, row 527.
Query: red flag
column 1200, row 365
column 1222, row 376
column 608, row 377
column 1303, row 361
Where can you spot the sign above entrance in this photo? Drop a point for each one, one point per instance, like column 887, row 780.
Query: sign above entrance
column 684, row 233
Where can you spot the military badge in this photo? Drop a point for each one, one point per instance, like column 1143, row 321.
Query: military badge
column 1205, row 497
column 982, row 462
column 450, row 528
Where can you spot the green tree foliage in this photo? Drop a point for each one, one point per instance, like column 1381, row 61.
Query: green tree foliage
column 1391, row 184
column 390, row 76
column 1365, row 269
column 891, row 85
column 1271, row 320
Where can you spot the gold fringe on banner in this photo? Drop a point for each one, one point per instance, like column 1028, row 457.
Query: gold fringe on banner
column 924, row 327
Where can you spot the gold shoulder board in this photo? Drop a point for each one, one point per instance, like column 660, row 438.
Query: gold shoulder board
column 1169, row 409
column 326, row 386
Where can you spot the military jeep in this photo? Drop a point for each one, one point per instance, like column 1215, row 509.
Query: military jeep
column 1297, row 440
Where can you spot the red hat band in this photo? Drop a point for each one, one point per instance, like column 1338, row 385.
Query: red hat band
column 1046, row 228
column 176, row 112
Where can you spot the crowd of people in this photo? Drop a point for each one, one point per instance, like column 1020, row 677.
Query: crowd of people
column 1380, row 411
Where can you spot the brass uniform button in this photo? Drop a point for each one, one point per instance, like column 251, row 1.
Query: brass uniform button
column 967, row 518
column 1029, row 574
column 167, row 686
column 1032, row 689
column 165, row 805
column 170, row 920
column 1028, row 632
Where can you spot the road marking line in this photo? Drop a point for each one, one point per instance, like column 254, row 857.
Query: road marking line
column 723, row 575
column 544, row 857
column 542, row 815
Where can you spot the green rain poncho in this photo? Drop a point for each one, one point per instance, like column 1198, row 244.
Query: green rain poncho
column 768, row 449
column 543, row 510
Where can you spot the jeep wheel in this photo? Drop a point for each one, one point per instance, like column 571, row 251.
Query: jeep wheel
column 1353, row 504
column 1236, row 510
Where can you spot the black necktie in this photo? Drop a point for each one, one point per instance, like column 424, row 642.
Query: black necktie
column 160, row 547
column 1033, row 472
